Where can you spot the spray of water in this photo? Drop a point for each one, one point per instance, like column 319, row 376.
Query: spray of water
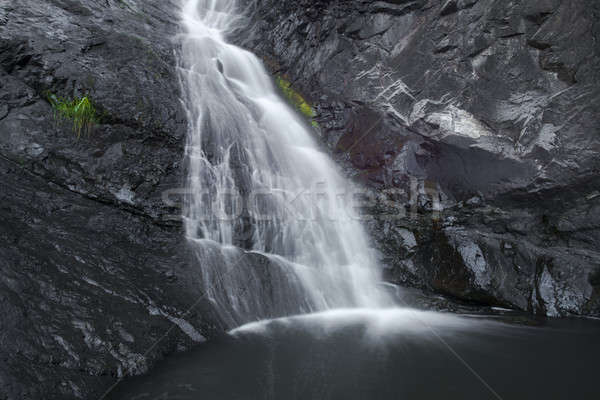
column 268, row 214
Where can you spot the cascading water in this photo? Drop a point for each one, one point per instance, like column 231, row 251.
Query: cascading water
column 268, row 214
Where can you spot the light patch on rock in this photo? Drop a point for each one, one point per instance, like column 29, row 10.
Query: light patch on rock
column 547, row 137
column 81, row 260
column 65, row 345
column 372, row 73
column 184, row 325
column 474, row 260
column 419, row 109
column 394, row 89
column 131, row 363
column 108, row 291
column 480, row 59
column 592, row 195
column 125, row 194
column 89, row 337
column 76, row 390
column 547, row 291
column 565, row 290
column 188, row 329
column 458, row 121
column 474, row 201
column 408, row 238
column 405, row 39
column 35, row 149
column 522, row 107
column 90, row 281
column 126, row 336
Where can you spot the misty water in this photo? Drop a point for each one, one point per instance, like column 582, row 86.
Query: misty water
column 248, row 153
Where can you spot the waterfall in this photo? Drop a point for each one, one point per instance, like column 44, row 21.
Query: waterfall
column 267, row 213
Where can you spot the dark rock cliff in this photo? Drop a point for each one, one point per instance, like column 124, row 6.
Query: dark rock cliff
column 482, row 117
column 93, row 269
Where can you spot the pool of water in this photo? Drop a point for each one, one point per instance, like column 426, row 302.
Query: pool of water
column 384, row 354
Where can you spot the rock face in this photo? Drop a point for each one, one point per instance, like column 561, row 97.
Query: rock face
column 474, row 123
column 95, row 278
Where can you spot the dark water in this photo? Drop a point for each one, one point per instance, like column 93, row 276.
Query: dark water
column 396, row 354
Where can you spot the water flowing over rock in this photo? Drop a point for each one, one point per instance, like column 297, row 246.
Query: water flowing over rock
column 480, row 116
column 258, row 181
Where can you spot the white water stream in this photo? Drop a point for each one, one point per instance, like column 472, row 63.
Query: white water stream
column 268, row 213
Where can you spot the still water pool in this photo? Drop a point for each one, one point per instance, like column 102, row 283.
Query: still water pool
column 384, row 354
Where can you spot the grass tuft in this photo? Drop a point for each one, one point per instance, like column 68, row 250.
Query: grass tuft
column 296, row 99
column 80, row 111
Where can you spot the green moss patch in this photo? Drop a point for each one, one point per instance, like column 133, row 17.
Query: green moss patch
column 80, row 111
column 296, row 99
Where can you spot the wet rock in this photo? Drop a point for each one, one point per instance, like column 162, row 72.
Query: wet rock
column 93, row 266
column 83, row 292
column 483, row 113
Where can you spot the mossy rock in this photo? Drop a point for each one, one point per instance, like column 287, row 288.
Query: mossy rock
column 296, row 99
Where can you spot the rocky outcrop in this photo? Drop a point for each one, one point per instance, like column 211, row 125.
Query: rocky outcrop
column 89, row 292
column 475, row 123
column 95, row 279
